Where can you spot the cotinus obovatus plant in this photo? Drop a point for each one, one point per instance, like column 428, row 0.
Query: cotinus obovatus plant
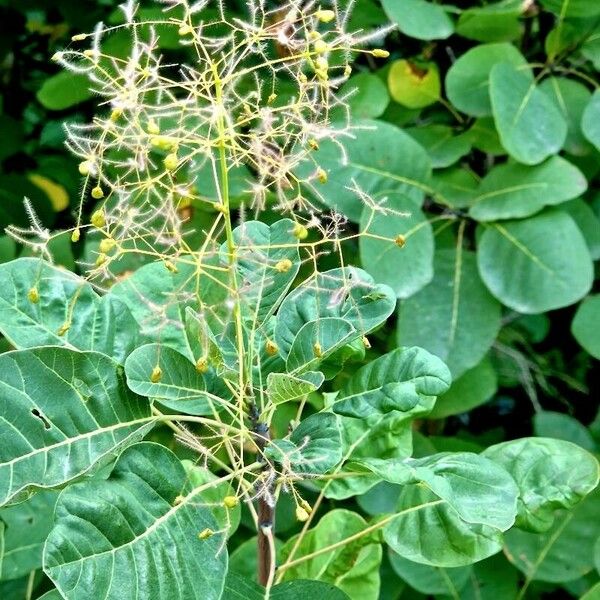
column 205, row 369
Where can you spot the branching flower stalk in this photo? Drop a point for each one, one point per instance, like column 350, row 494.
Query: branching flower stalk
column 237, row 125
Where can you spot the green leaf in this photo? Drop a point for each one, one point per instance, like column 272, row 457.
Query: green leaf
column 157, row 299
column 452, row 509
column 497, row 22
column 586, row 324
column 312, row 447
column 26, row 527
column 282, row 387
column 328, row 334
column 590, row 121
column 181, row 387
column 588, row 222
column 103, row 324
column 572, row 8
column 414, row 84
column 467, row 81
column 367, row 96
column 431, row 580
column 353, row 567
column 512, row 191
column 454, row 317
column 405, row 269
column 535, row 265
column 47, row 443
column 570, row 98
column 473, row 388
column 455, row 187
column 530, row 126
column 345, row 293
column 419, row 19
column 406, row 380
column 136, row 535
column 240, row 588
column 551, row 474
column 550, row 424
column 443, row 146
column 260, row 250
column 491, row 579
column 381, row 159
column 64, row 90
column 565, row 551
column 592, row 593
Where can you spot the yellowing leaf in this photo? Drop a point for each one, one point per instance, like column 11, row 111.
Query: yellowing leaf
column 414, row 85
column 56, row 193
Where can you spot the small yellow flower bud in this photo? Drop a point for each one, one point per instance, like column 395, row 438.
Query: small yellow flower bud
column 63, row 329
column 153, row 128
column 85, row 167
column 178, row 500
column 33, row 295
column 271, row 98
column 97, row 193
column 202, row 365
column 322, row 75
column 347, row 71
column 302, row 78
column 400, row 241
column 185, row 30
column 300, row 231
column 366, row 342
column 156, row 374
column 301, row 514
column 79, row 37
column 271, row 348
column 313, row 144
column 318, row 351
column 230, row 501
column 115, row 114
column 325, row 16
column 321, row 47
column 283, row 266
column 89, row 53
column 100, row 259
column 98, row 219
column 106, row 245
column 220, row 207
column 206, row 533
column 306, row 506
column 380, row 53
column 321, row 63
column 171, row 267
column 75, row 235
column 322, row 175
column 56, row 56
column 171, row 161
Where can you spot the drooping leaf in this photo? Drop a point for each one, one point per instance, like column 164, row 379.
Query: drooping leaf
column 420, row 19
column 467, row 81
column 282, row 387
column 535, row 265
column 586, row 324
column 406, row 380
column 551, row 474
column 312, row 447
column 559, row 426
column 136, row 535
column 353, row 567
column 180, row 386
column 381, row 159
column 346, row 293
column 530, row 126
column 259, row 257
column 406, row 266
column 513, row 191
column 64, row 414
column 564, row 552
column 452, row 510
column 454, row 317
column 103, row 324
column 471, row 389
column 26, row 527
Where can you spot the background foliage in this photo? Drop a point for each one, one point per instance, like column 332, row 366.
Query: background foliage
column 486, row 126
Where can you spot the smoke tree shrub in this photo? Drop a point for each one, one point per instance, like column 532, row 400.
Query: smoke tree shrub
column 214, row 362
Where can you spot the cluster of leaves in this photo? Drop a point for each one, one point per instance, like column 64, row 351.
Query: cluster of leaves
column 470, row 208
